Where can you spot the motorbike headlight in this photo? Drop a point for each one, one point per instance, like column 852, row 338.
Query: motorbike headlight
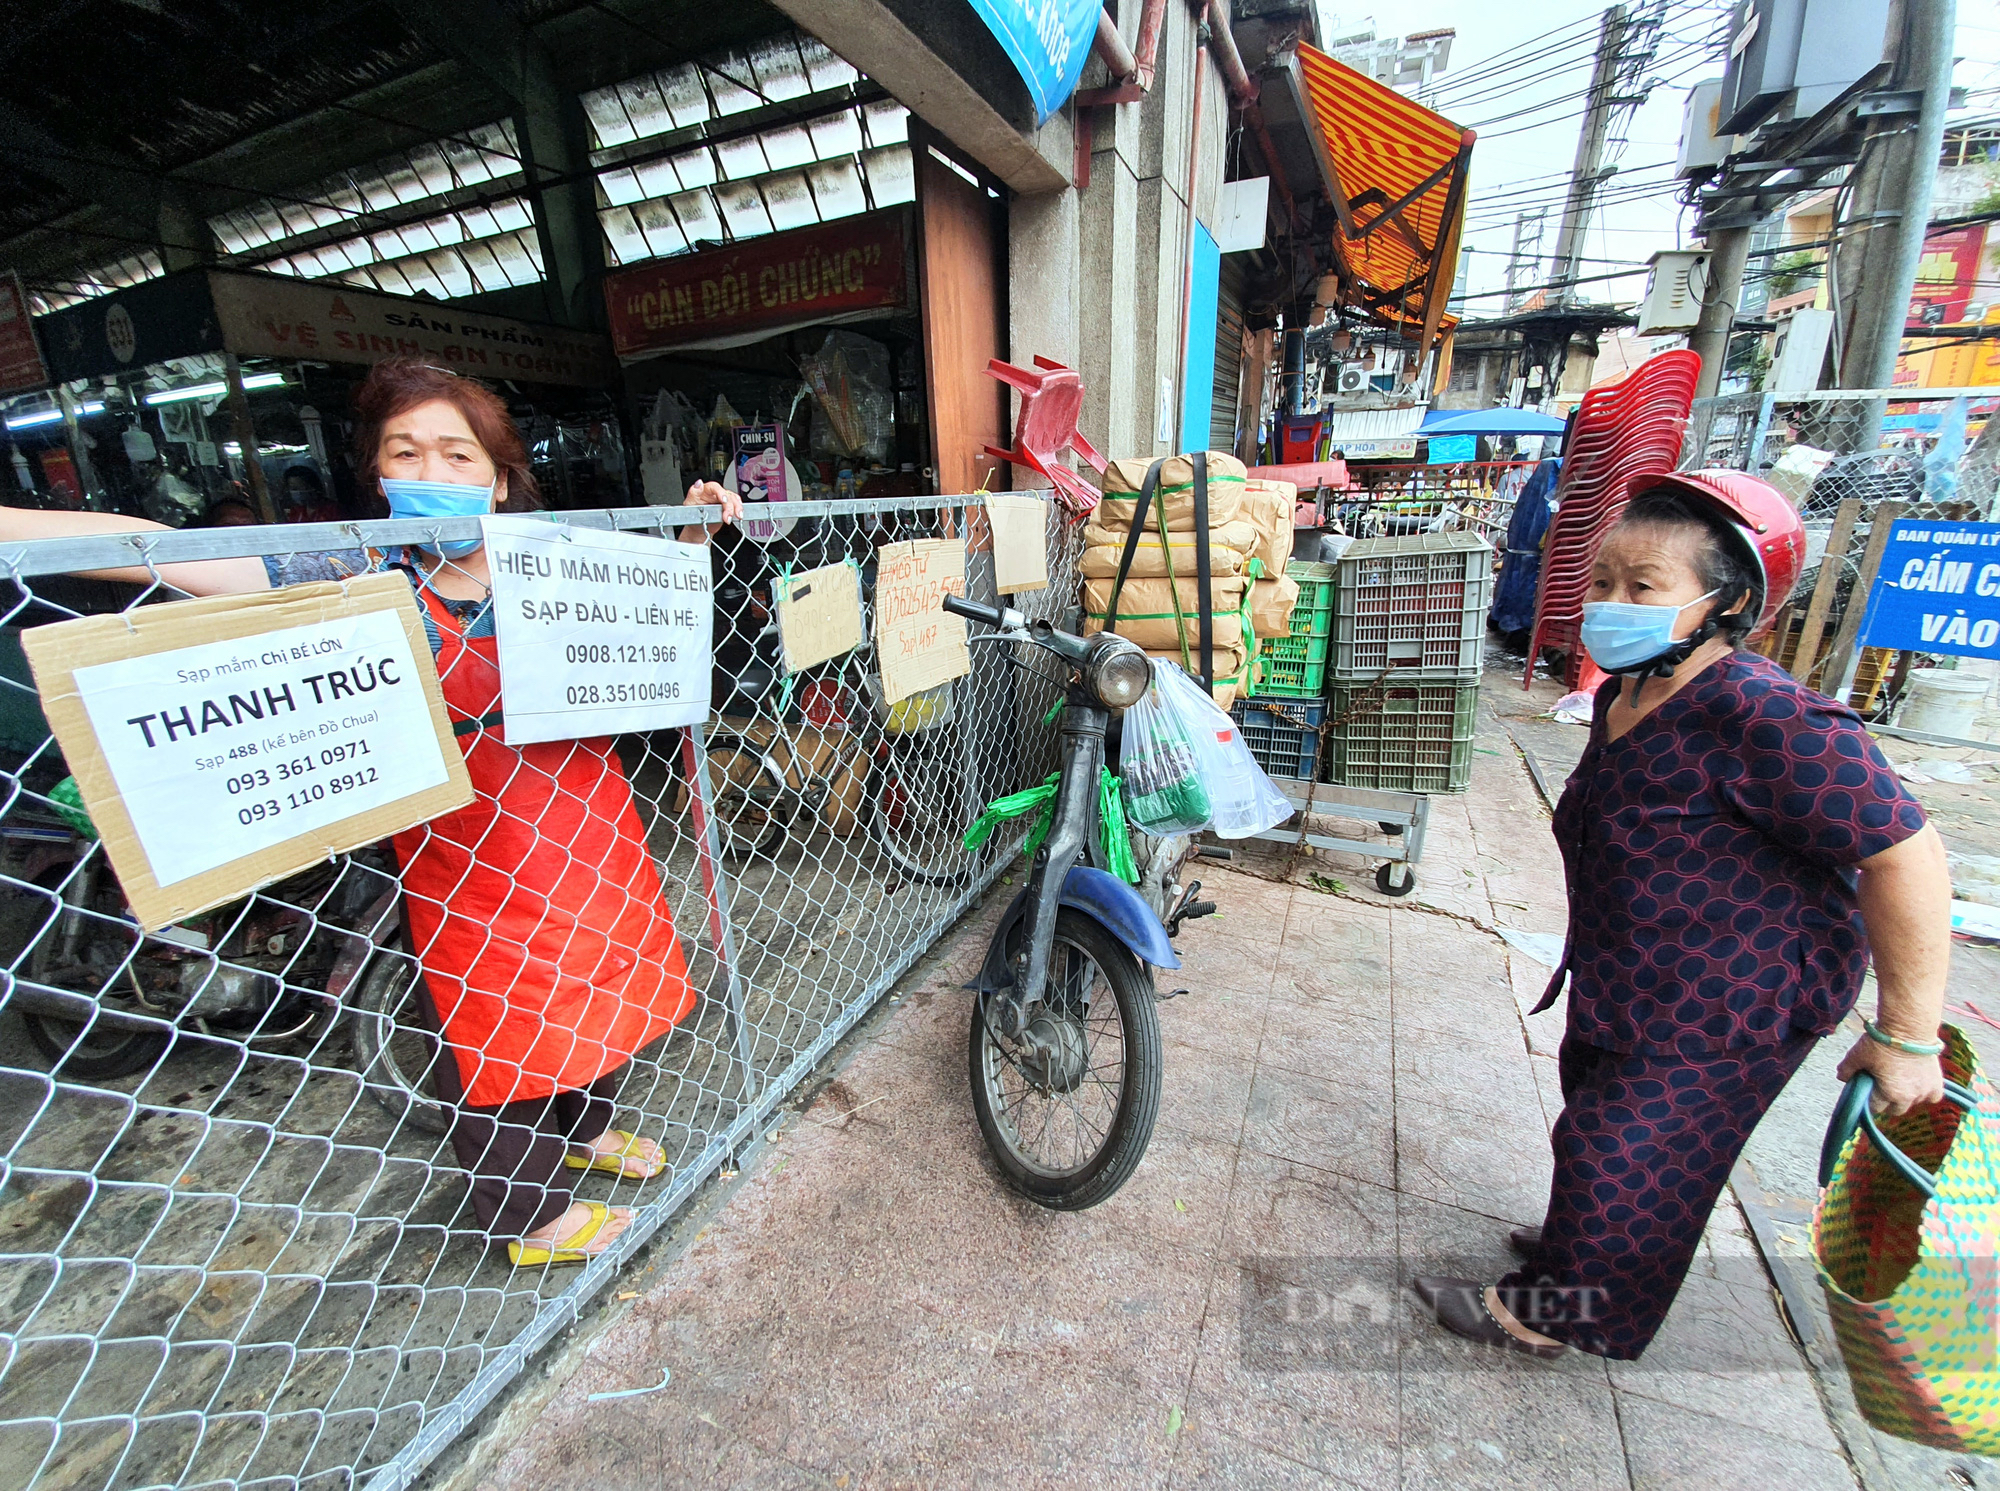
column 1118, row 672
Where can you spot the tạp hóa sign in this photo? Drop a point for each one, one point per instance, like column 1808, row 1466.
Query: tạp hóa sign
column 1938, row 590
column 766, row 284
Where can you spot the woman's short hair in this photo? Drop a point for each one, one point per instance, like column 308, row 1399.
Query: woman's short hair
column 1722, row 560
column 400, row 384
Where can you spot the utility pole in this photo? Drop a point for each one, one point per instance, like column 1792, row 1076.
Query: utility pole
column 1728, row 252
column 1589, row 167
column 1525, row 258
column 1883, row 236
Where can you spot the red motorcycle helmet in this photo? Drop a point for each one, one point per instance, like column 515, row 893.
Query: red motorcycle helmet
column 1769, row 527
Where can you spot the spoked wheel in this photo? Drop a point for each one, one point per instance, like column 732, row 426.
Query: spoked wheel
column 1069, row 1109
column 919, row 808
column 97, row 1051
column 747, row 800
column 394, row 1049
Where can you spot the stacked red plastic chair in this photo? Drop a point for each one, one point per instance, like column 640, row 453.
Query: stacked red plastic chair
column 1622, row 430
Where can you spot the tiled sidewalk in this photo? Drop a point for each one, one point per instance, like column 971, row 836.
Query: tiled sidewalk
column 1350, row 1098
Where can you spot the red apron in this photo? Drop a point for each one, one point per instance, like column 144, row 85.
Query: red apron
column 536, row 911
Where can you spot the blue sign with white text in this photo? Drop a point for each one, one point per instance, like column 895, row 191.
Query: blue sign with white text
column 1938, row 590
column 1048, row 42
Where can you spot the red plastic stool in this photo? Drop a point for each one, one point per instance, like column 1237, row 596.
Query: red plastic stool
column 1051, row 399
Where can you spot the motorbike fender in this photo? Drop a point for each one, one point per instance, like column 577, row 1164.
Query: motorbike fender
column 1102, row 897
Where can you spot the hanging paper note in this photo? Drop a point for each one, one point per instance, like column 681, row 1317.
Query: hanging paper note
column 920, row 645
column 1020, row 542
column 819, row 615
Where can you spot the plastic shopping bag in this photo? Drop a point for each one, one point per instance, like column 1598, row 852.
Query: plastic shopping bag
column 1163, row 788
column 1187, row 768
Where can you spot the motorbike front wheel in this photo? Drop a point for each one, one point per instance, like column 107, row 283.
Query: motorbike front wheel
column 394, row 1048
column 1068, row 1117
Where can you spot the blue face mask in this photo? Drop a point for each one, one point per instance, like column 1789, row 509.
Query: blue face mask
column 439, row 499
column 1619, row 635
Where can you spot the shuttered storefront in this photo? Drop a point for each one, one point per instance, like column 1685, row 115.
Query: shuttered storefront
column 1228, row 354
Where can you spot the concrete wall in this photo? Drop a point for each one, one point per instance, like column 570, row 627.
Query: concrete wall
column 1096, row 277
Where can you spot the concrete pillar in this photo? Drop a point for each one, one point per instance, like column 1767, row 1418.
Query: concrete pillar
column 1044, row 278
column 1107, row 303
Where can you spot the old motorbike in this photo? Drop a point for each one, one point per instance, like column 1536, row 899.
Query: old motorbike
column 101, row 998
column 1065, row 1040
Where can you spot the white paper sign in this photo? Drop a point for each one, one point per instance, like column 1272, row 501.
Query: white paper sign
column 226, row 749
column 599, row 632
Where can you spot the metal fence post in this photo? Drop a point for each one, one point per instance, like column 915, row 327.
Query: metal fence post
column 715, row 884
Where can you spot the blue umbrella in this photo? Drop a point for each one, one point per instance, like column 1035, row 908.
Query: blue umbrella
column 1490, row 422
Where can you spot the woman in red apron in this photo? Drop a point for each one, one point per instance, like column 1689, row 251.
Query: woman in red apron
column 535, row 913
column 548, row 955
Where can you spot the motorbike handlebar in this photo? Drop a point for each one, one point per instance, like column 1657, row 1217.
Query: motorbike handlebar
column 1062, row 644
column 958, row 605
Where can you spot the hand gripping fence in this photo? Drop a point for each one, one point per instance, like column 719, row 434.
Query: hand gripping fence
column 239, row 1241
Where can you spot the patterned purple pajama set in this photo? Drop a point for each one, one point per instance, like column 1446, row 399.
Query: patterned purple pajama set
column 1714, row 937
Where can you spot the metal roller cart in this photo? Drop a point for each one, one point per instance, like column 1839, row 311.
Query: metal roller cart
column 1370, row 705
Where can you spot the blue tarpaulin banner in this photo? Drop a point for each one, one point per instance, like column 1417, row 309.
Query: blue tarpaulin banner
column 1938, row 590
column 1449, row 450
column 1048, row 42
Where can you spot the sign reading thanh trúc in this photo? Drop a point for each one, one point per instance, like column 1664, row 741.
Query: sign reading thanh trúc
column 807, row 274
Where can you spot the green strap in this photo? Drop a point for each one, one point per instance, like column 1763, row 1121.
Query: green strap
column 1113, row 836
column 1111, row 829
column 1014, row 805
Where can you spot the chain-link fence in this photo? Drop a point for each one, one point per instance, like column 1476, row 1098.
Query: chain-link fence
column 247, row 1235
column 1932, row 453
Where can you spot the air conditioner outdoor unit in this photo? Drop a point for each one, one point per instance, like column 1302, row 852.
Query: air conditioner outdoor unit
column 1353, row 380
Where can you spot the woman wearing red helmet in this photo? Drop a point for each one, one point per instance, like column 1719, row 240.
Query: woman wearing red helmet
column 1735, row 848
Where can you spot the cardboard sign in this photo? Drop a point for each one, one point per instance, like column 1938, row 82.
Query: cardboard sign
column 1020, row 542
column 921, row 645
column 599, row 632
column 1938, row 590
column 225, row 743
column 819, row 615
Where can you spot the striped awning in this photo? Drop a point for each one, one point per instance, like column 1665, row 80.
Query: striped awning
column 1396, row 173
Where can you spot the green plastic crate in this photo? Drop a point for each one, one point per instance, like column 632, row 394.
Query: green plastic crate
column 1289, row 668
column 1312, row 615
column 1294, row 667
column 1406, row 737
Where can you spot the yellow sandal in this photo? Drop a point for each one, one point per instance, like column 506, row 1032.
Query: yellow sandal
column 613, row 1161
column 525, row 1254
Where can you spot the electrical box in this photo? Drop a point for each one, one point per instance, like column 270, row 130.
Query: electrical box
column 1675, row 291
column 1801, row 352
column 1841, row 43
column 1763, row 55
column 1702, row 147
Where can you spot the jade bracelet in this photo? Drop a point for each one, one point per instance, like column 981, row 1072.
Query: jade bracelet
column 1882, row 1037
